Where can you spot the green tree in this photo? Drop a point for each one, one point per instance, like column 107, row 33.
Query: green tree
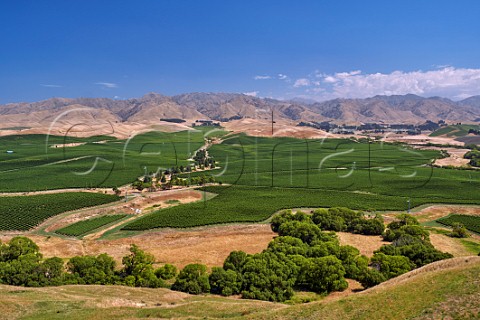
column 326, row 220
column 325, row 274
column 235, row 261
column 166, row 272
column 225, row 282
column 391, row 266
column 93, row 270
column 192, row 279
column 459, row 231
column 286, row 216
column 288, row 246
column 305, row 231
column 268, row 276
column 139, row 264
column 21, row 246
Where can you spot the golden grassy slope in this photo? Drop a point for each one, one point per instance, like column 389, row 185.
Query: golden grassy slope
column 443, row 289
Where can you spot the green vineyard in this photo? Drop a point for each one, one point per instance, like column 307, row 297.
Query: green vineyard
column 472, row 223
column 254, row 204
column 25, row 212
column 83, row 227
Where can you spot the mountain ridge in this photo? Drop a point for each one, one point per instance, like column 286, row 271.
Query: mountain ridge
column 151, row 107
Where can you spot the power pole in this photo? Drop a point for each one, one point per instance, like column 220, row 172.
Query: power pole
column 272, row 122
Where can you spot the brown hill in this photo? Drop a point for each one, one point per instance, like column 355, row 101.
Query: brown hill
column 149, row 109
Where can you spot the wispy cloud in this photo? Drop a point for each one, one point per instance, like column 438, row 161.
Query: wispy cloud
column 450, row 82
column 262, row 77
column 108, row 85
column 302, row 82
column 251, row 93
column 282, row 76
column 51, row 85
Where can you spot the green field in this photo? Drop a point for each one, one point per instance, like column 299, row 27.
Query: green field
column 455, row 130
column 263, row 175
column 255, row 204
column 40, row 162
column 472, row 223
column 272, row 174
column 83, row 227
column 25, row 212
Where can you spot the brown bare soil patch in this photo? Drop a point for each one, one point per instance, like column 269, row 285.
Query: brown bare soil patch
column 447, row 244
column 144, row 201
column 353, row 287
column 455, row 157
column 207, row 245
column 437, row 211
column 366, row 244
column 115, row 129
column 282, row 128
column 420, row 139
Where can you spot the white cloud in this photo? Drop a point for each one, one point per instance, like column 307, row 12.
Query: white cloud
column 302, row 82
column 330, row 79
column 262, row 77
column 450, row 82
column 282, row 76
column 251, row 93
column 108, row 85
column 51, row 85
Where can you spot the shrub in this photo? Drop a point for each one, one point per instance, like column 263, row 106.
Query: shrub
column 391, row 266
column 323, row 275
column 92, row 270
column 305, row 231
column 225, row 282
column 286, row 216
column 139, row 264
column 235, row 261
column 268, row 276
column 192, row 279
column 288, row 246
column 459, row 231
column 166, row 272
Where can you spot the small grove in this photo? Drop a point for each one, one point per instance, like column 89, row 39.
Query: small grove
column 302, row 257
column 21, row 264
column 473, row 155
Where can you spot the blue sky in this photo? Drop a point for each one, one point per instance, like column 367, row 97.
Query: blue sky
column 282, row 49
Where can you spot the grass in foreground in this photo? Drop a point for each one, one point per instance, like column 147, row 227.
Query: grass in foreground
column 442, row 292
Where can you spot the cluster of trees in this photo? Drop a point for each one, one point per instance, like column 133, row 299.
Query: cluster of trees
column 307, row 258
column 473, row 131
column 147, row 183
column 21, row 264
column 344, row 219
column 202, row 159
column 474, row 156
column 411, row 241
column 301, row 257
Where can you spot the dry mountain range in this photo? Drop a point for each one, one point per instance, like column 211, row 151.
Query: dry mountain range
column 225, row 106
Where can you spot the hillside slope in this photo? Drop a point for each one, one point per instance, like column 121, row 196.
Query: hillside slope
column 445, row 289
column 150, row 108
